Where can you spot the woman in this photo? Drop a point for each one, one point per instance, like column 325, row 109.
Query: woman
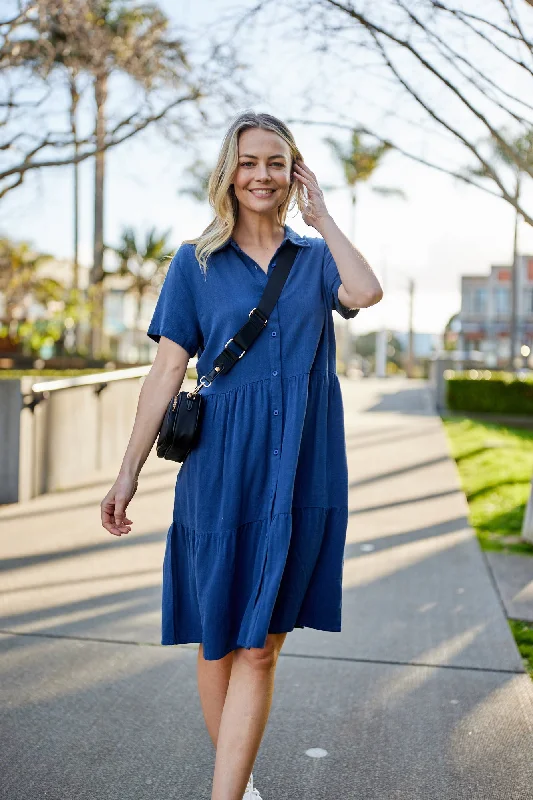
column 256, row 544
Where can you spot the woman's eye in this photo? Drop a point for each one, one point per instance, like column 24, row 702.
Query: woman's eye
column 248, row 163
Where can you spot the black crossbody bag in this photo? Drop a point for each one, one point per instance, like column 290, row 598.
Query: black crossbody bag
column 180, row 429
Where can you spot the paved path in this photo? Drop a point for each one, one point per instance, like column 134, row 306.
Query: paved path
column 514, row 578
column 422, row 696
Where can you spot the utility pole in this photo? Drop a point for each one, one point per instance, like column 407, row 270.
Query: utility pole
column 410, row 341
column 346, row 346
column 382, row 332
column 381, row 352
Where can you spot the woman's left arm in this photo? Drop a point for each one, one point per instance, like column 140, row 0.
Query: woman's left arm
column 359, row 288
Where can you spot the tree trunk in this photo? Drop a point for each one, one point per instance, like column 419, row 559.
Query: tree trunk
column 74, row 100
column 138, row 324
column 353, row 216
column 97, row 272
column 514, row 288
column 411, row 336
column 347, row 340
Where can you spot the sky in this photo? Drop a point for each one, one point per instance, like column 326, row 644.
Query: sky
column 441, row 230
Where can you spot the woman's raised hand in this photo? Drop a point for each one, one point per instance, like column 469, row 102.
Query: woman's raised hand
column 315, row 209
column 113, row 506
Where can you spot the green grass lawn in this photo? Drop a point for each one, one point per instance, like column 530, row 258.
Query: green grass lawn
column 495, row 465
column 523, row 634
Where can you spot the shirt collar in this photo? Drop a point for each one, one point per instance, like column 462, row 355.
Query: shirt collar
column 295, row 237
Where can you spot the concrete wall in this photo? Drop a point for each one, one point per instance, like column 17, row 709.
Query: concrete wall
column 10, row 405
column 73, row 437
column 437, row 367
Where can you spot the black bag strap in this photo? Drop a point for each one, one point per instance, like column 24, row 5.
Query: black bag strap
column 258, row 318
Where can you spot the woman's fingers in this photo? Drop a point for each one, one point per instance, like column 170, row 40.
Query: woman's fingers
column 108, row 522
column 113, row 515
column 313, row 198
column 307, row 172
column 114, row 504
column 120, row 518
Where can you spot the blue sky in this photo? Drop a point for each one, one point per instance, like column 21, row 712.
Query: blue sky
column 441, row 230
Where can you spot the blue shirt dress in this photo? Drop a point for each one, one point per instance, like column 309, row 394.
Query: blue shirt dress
column 261, row 502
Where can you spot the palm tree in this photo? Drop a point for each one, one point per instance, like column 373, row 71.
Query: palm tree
column 145, row 265
column 99, row 38
column 524, row 146
column 359, row 162
column 54, row 43
column 20, row 278
column 135, row 42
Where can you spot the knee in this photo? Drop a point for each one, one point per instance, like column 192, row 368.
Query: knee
column 262, row 659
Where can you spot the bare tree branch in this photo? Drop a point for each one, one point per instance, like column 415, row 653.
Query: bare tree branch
column 454, row 58
column 374, row 29
column 50, row 38
column 465, row 74
column 489, row 171
column 463, row 16
column 463, row 177
column 515, row 22
column 19, row 170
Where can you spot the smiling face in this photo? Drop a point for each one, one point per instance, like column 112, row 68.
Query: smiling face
column 263, row 176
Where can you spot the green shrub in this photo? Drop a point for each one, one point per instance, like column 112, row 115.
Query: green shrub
column 492, row 392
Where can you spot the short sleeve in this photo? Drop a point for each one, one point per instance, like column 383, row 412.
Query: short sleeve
column 332, row 281
column 175, row 314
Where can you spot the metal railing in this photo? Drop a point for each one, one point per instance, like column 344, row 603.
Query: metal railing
column 62, row 433
column 41, row 389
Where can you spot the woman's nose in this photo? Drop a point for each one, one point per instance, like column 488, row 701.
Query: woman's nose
column 262, row 172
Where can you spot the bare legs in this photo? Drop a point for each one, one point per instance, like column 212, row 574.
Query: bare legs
column 213, row 680
column 236, row 696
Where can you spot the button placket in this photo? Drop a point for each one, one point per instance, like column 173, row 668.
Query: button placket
column 275, row 385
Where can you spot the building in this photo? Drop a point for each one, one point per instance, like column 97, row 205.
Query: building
column 484, row 322
column 126, row 323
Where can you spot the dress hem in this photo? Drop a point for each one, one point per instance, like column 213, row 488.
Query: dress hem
column 196, row 640
column 301, row 589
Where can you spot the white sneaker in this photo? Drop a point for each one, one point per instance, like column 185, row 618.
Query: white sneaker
column 251, row 792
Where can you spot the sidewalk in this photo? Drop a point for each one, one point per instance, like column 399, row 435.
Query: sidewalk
column 422, row 696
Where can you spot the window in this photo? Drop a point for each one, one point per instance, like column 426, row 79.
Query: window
column 475, row 300
column 501, row 300
column 479, row 301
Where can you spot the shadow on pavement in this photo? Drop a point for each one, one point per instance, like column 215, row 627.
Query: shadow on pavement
column 128, row 540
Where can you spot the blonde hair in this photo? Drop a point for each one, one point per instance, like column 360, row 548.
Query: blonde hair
column 221, row 193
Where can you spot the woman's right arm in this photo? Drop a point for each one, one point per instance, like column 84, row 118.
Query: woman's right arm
column 162, row 382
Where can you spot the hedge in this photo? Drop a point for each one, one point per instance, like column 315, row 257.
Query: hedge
column 493, row 392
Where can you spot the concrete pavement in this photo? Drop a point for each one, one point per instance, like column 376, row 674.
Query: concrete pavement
column 423, row 695
column 514, row 578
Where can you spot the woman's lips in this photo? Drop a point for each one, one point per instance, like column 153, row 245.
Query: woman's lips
column 262, row 192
